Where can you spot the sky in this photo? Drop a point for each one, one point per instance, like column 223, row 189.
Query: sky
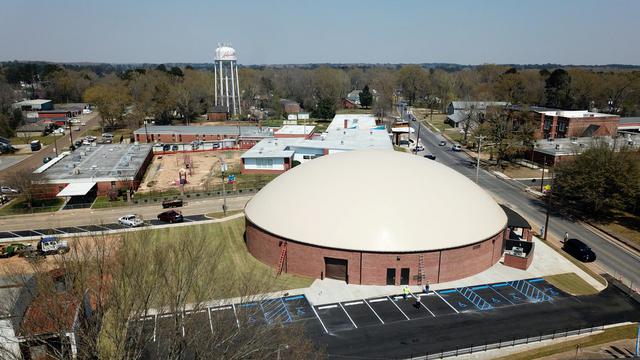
column 586, row 32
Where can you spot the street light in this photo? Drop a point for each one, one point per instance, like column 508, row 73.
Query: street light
column 223, row 169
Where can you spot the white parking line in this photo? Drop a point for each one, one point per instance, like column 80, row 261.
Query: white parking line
column 318, row 316
column 345, row 311
column 504, row 297
column 396, row 305
column 155, row 325
column 327, row 307
column 378, row 300
column 374, row 312
column 210, row 321
column 425, row 306
column 446, row 302
column 236, row 315
column 37, row 232
column 353, row 303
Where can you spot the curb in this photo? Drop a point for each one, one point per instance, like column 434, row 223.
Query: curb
column 632, row 245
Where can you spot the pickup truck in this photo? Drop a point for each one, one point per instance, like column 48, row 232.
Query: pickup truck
column 48, row 245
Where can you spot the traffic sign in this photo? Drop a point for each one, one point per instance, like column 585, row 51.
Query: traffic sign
column 231, row 179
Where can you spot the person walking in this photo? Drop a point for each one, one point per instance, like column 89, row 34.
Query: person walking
column 426, row 288
column 405, row 292
column 566, row 237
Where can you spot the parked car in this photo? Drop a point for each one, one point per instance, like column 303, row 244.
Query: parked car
column 174, row 147
column 456, row 147
column 442, row 143
column 579, row 250
column 8, row 190
column 172, row 203
column 430, row 156
column 418, row 148
column 131, row 220
column 171, row 216
column 35, row 145
column 46, row 159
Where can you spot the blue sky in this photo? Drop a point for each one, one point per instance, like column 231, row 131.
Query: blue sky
column 303, row 31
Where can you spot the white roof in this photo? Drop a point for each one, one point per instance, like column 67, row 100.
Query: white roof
column 376, row 200
column 574, row 113
column 354, row 121
column 74, row 189
column 295, row 130
column 32, row 102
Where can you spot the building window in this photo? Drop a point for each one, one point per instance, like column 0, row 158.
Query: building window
column 113, row 184
column 562, row 126
column 264, row 163
column 547, row 123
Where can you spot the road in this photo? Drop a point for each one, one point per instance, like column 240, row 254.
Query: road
column 612, row 258
column 35, row 160
column 105, row 216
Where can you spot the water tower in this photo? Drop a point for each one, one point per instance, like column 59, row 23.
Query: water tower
column 227, row 87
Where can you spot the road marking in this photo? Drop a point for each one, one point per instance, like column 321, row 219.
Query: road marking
column 236, row 315
column 353, row 303
column 378, row 300
column 221, row 308
column 318, row 316
column 210, row 321
column 504, row 297
column 327, row 307
column 374, row 312
column 13, row 233
column 345, row 311
column 155, row 325
column 38, row 232
column 446, row 302
column 423, row 305
column 396, row 305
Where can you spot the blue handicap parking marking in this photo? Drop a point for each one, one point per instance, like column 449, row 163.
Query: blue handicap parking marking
column 457, row 300
column 509, row 293
column 461, row 305
column 548, row 289
column 299, row 307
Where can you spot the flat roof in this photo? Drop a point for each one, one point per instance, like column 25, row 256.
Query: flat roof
column 77, row 189
column 354, row 121
column 32, row 102
column 574, row 113
column 295, row 130
column 246, row 131
column 109, row 162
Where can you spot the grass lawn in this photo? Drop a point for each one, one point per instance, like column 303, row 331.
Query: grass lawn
column 272, row 122
column 45, row 140
column 235, row 258
column 97, row 132
column 19, row 206
column 609, row 335
column 571, row 283
column 400, row 148
column 220, row 215
column 577, row 263
column 104, row 202
column 625, row 226
column 518, row 171
column 437, row 122
column 353, row 111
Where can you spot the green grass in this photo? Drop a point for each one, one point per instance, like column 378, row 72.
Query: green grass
column 97, row 132
column 578, row 263
column 19, row 206
column 437, row 122
column 354, row 111
column 571, row 283
column 400, row 148
column 220, row 215
column 104, row 202
column 236, row 259
column 625, row 226
column 45, row 140
column 608, row 335
column 272, row 122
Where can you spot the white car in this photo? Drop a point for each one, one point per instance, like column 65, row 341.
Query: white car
column 131, row 220
column 456, row 147
column 418, row 148
column 8, row 190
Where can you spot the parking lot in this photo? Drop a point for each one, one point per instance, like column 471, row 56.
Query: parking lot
column 84, row 229
column 350, row 315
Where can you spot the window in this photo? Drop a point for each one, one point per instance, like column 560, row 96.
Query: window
column 264, row 163
column 113, row 184
column 562, row 126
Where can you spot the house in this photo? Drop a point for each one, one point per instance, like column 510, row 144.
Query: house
column 290, row 106
column 349, row 104
column 549, row 152
column 458, row 111
column 354, row 97
column 218, row 113
column 40, row 128
column 33, row 105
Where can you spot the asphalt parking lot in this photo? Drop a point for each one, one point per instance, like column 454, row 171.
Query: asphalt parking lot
column 85, row 229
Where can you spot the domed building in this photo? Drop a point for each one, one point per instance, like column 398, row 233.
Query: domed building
column 375, row 217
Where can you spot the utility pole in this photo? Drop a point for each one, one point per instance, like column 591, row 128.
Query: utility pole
column 544, row 162
column 418, row 139
column 55, row 143
column 223, row 169
column 546, row 219
column 480, row 138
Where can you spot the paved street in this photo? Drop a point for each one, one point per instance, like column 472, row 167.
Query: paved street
column 611, row 257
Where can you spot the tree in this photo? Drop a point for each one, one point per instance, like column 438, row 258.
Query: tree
column 558, row 90
column 509, row 132
column 326, row 109
column 413, row 81
column 384, row 82
column 366, row 98
column 471, row 118
column 111, row 98
column 598, row 180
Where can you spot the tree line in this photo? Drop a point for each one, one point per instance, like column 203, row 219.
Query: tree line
column 126, row 97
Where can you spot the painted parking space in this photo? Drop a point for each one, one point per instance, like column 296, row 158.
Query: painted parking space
column 361, row 314
column 436, row 304
column 223, row 316
column 250, row 314
column 26, row 233
column 114, row 226
column 196, row 217
column 386, row 309
column 47, row 231
column 93, row 228
column 196, row 321
column 299, row 308
column 510, row 293
column 70, row 230
column 413, row 307
column 547, row 288
column 492, row 297
column 334, row 318
column 7, row 235
column 455, row 299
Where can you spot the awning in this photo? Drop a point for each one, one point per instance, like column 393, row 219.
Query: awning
column 514, row 219
column 77, row 189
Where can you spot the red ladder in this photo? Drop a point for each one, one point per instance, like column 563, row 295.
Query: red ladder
column 421, row 273
column 283, row 256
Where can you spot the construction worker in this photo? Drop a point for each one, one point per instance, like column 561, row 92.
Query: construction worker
column 405, row 292
column 426, row 288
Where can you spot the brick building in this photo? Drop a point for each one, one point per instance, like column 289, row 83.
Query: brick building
column 353, row 224
column 245, row 136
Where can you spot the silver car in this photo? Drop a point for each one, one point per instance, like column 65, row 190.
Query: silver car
column 131, row 220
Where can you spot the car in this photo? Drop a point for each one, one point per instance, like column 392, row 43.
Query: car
column 35, row 145
column 8, row 190
column 131, row 220
column 46, row 159
column 456, row 147
column 418, row 148
column 166, row 147
column 172, row 203
column 83, row 124
column 76, row 128
column 411, row 141
column 430, row 156
column 78, row 143
column 86, row 142
column 579, row 250
column 442, row 143
column 174, row 147
column 171, row 216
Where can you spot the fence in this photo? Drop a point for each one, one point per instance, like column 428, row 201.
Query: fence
column 627, row 282
column 504, row 343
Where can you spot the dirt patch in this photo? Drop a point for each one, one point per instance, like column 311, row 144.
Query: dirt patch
column 202, row 170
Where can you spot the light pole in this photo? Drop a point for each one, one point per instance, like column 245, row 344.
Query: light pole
column 480, row 138
column 546, row 219
column 223, row 169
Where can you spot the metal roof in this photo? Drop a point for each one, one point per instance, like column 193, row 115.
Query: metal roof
column 248, row 131
column 76, row 189
column 357, row 200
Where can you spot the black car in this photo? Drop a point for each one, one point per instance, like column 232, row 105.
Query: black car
column 172, row 203
column 579, row 250
column 171, row 216
column 430, row 156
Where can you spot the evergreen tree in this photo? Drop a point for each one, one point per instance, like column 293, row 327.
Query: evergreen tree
column 366, row 98
column 326, row 109
column 558, row 90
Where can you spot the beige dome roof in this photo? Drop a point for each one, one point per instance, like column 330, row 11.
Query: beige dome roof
column 376, row 200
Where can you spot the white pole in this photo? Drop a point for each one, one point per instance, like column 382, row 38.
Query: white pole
column 226, row 86
column 215, row 83
column 221, row 75
column 233, row 89
column 238, row 89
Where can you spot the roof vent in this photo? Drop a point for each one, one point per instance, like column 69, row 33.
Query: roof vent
column 93, row 167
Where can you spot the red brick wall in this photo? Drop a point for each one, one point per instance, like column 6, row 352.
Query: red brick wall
column 308, row 260
column 179, row 138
